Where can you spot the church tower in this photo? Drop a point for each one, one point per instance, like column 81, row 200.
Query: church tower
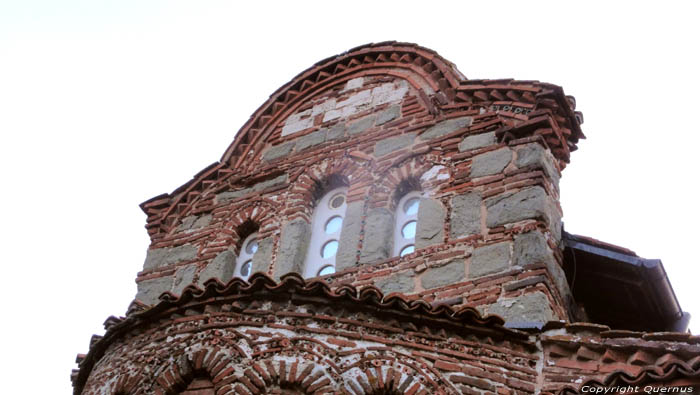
column 384, row 225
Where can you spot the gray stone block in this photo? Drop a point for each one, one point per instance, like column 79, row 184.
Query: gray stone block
column 465, row 219
column 336, row 131
column 391, row 144
column 532, row 307
column 451, row 273
column 202, row 221
column 349, row 236
column 477, row 141
column 167, row 256
column 445, row 127
column 490, row 259
column 183, row 277
column 528, row 203
column 430, row 229
column 148, row 291
column 221, row 267
column 361, row 125
column 531, row 248
column 278, row 151
column 293, row 245
column 492, row 162
column 311, row 139
column 378, row 240
column 401, row 282
column 263, row 256
column 388, row 115
column 269, row 183
column 536, row 156
column 187, row 222
column 230, row 195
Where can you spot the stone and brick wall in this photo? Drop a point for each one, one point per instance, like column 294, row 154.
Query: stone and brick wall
column 481, row 306
column 302, row 337
column 489, row 225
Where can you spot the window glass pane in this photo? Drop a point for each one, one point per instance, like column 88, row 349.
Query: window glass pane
column 409, row 230
column 407, row 250
column 337, row 201
column 411, row 206
column 333, row 224
column 245, row 268
column 326, row 270
column 329, row 249
column 252, row 246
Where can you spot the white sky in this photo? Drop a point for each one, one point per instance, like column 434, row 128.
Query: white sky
column 106, row 104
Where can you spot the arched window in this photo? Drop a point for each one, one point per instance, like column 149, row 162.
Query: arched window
column 406, row 224
column 244, row 263
column 326, row 224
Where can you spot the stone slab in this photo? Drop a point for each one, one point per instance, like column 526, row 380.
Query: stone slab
column 401, row 282
column 388, row 115
column 391, row 144
column 451, row 273
column 492, row 162
column 489, row 259
column 184, row 276
column 221, row 267
column 465, row 218
column 377, row 243
column 361, row 125
column 278, row 151
column 528, row 203
column 350, row 236
column 336, row 131
column 528, row 308
column 310, row 140
column 294, row 242
column 430, row 229
column 535, row 156
column 263, row 256
column 159, row 257
column 149, row 290
column 445, row 127
column 477, row 141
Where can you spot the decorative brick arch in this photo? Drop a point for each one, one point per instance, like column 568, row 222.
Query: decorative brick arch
column 257, row 211
column 395, row 374
column 384, row 192
column 308, row 186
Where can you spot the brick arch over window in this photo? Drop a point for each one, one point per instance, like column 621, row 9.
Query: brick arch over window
column 301, row 199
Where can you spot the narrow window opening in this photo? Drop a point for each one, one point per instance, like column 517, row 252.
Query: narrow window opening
column 406, row 224
column 327, row 223
column 244, row 263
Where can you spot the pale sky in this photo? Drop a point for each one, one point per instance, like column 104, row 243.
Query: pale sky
column 106, row 104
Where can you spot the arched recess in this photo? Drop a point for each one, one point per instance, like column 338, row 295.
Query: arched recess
column 395, row 374
column 200, row 368
column 283, row 376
